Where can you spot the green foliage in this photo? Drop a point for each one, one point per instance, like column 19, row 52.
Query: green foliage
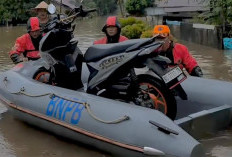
column 133, row 28
column 150, row 3
column 103, row 7
column 129, row 21
column 198, row 19
column 219, row 14
column 147, row 34
column 132, row 31
column 16, row 9
column 89, row 4
column 135, row 7
column 106, row 6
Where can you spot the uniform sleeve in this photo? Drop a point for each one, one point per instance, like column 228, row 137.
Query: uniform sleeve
column 189, row 61
column 19, row 46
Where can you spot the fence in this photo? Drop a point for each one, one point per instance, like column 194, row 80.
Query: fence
column 198, row 33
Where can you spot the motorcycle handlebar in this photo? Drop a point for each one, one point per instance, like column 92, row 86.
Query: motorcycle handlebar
column 83, row 12
column 68, row 20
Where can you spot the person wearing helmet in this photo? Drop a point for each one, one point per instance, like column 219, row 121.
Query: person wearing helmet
column 112, row 29
column 27, row 46
column 42, row 13
column 177, row 53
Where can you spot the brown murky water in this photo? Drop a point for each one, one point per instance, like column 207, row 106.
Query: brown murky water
column 20, row 140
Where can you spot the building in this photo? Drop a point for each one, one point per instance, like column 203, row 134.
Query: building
column 176, row 10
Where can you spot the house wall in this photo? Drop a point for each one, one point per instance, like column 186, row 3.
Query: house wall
column 201, row 34
column 182, row 5
column 178, row 8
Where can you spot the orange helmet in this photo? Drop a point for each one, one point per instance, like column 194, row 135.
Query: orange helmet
column 161, row 30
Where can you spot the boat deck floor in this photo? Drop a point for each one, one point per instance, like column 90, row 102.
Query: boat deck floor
column 208, row 108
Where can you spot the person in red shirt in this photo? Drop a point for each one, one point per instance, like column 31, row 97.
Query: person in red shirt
column 112, row 29
column 27, row 46
column 177, row 53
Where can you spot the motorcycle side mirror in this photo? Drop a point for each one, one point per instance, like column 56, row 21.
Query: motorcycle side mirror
column 51, row 9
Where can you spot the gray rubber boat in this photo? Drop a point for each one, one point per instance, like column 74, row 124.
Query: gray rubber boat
column 120, row 128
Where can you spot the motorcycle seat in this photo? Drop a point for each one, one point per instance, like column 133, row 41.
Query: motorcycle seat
column 97, row 52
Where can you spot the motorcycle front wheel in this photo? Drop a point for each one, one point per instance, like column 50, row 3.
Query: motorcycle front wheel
column 154, row 94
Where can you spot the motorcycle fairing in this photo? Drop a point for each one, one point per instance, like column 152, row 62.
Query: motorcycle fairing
column 107, row 66
column 104, row 68
column 97, row 52
column 47, row 43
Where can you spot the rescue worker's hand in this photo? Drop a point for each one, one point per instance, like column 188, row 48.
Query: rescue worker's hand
column 16, row 58
column 166, row 44
column 197, row 72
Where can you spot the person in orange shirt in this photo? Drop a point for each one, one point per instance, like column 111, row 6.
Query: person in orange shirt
column 27, row 46
column 177, row 53
column 112, row 29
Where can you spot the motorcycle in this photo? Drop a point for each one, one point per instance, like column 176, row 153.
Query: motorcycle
column 131, row 71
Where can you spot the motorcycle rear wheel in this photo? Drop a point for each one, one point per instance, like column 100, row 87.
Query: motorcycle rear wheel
column 162, row 98
column 43, row 75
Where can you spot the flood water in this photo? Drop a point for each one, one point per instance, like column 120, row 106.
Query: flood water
column 20, row 140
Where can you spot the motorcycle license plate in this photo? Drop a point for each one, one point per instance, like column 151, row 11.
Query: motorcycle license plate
column 172, row 74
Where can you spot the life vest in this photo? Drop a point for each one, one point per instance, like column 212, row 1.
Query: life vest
column 104, row 40
column 24, row 45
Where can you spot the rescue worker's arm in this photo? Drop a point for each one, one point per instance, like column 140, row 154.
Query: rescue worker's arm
column 190, row 63
column 17, row 50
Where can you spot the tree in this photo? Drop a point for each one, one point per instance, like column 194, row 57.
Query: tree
column 220, row 13
column 14, row 10
column 121, row 6
column 105, row 6
column 137, row 6
column 89, row 3
column 133, row 28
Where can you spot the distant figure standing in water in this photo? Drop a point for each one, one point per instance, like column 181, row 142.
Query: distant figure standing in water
column 112, row 29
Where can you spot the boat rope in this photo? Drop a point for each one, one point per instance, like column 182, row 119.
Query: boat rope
column 86, row 105
column 22, row 92
column 124, row 118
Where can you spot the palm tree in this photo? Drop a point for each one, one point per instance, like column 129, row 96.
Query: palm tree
column 220, row 13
